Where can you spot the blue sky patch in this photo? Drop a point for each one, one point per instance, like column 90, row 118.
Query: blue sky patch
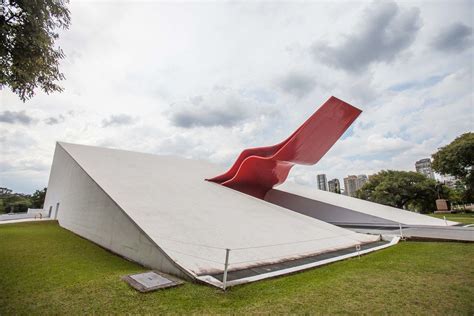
column 418, row 84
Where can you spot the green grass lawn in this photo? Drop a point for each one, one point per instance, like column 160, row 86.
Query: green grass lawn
column 47, row 270
column 465, row 218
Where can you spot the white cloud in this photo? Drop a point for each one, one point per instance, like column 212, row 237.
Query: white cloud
column 219, row 109
column 455, row 37
column 298, row 84
column 206, row 80
column 12, row 117
column 118, row 120
column 377, row 143
column 383, row 32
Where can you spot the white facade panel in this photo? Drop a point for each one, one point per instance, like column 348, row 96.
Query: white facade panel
column 85, row 209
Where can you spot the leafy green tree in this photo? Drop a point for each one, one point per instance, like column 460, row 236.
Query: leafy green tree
column 18, row 206
column 403, row 189
column 28, row 56
column 456, row 195
column 37, row 198
column 457, row 159
column 16, row 203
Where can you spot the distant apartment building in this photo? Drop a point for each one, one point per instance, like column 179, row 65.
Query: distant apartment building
column 334, row 186
column 353, row 183
column 322, row 182
column 361, row 180
column 424, row 166
column 350, row 185
column 449, row 181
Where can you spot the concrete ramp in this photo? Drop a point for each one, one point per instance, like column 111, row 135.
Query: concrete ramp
column 342, row 210
column 424, row 233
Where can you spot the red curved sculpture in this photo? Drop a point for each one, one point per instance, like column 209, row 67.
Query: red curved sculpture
column 257, row 170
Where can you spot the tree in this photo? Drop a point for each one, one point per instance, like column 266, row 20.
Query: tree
column 37, row 198
column 457, row 159
column 18, row 202
column 15, row 202
column 28, row 56
column 403, row 189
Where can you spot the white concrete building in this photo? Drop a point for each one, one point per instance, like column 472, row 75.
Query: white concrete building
column 361, row 180
column 423, row 166
column 334, row 186
column 159, row 211
column 350, row 185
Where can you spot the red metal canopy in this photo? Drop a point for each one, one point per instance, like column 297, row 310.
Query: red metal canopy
column 257, row 170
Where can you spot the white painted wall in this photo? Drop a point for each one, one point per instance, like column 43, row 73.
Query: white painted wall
column 86, row 210
column 31, row 213
column 14, row 216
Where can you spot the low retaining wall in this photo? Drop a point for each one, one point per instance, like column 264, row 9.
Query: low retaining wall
column 32, row 213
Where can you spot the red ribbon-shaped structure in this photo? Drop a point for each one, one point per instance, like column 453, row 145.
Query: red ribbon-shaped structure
column 257, row 170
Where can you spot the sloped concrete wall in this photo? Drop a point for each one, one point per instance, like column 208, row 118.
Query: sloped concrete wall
column 339, row 209
column 85, row 209
column 324, row 211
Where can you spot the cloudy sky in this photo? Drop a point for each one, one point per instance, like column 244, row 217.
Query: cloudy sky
column 205, row 80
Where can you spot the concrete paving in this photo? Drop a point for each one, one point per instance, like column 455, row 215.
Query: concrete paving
column 24, row 220
column 440, row 233
column 245, row 273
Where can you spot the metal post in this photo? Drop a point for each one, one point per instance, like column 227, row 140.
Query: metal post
column 401, row 231
column 358, row 250
column 226, row 265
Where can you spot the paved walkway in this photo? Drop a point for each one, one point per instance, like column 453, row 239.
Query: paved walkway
column 24, row 220
column 450, row 233
column 263, row 269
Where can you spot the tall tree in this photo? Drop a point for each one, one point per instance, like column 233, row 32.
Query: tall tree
column 28, row 56
column 403, row 189
column 457, row 159
column 37, row 198
column 13, row 202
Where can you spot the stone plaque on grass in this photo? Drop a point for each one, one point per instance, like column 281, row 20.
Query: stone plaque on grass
column 150, row 281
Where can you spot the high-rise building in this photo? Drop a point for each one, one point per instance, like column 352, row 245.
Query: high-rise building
column 353, row 183
column 322, row 182
column 361, row 180
column 424, row 166
column 449, row 181
column 334, row 186
column 350, row 185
